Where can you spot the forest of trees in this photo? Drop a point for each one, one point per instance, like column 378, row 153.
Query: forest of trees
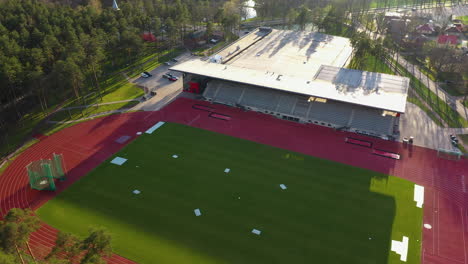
column 50, row 52
column 17, row 227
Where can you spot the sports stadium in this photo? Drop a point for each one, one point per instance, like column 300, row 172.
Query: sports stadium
column 300, row 76
column 286, row 156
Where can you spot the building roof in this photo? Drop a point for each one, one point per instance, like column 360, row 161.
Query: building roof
column 302, row 52
column 147, row 36
column 447, row 39
column 425, row 27
column 393, row 14
column 376, row 90
column 455, row 29
column 307, row 63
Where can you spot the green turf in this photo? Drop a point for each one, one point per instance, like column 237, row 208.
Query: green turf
column 326, row 215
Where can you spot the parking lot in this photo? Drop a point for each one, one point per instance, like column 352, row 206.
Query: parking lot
column 157, row 81
column 163, row 89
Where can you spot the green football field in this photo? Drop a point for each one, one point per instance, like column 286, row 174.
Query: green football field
column 329, row 213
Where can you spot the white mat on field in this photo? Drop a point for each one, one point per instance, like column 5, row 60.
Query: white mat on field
column 419, row 195
column 257, row 232
column 153, row 128
column 401, row 248
column 118, row 161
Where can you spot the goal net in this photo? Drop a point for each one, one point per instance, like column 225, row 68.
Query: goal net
column 449, row 154
column 43, row 172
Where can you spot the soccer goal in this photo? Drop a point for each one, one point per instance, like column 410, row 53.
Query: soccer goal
column 43, row 172
column 449, row 154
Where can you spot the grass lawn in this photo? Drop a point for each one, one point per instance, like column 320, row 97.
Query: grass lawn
column 78, row 113
column 149, row 65
column 115, row 88
column 464, row 19
column 464, row 142
column 326, row 215
column 20, row 150
column 372, row 64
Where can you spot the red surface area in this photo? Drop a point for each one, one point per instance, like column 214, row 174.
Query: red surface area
column 88, row 144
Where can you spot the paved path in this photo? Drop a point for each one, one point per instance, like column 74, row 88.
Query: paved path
column 415, row 122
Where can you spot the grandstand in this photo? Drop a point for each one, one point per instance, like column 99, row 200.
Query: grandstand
column 300, row 76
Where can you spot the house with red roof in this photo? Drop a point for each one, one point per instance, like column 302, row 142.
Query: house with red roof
column 447, row 40
column 149, row 37
column 425, row 29
column 454, row 30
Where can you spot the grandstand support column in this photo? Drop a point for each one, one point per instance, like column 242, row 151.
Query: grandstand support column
column 241, row 96
column 391, row 129
column 277, row 105
column 294, row 106
column 216, row 94
column 308, row 110
column 351, row 117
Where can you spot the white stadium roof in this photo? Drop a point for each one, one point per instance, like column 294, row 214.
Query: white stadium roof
column 304, row 63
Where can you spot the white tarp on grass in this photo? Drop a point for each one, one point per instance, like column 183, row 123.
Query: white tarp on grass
column 282, row 186
column 197, row 212
column 257, row 232
column 401, row 248
column 227, row 170
column 118, row 161
column 419, row 195
column 153, row 128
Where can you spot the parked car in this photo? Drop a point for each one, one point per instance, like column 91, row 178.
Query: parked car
column 175, row 60
column 144, row 75
column 167, row 63
column 147, row 73
column 173, row 78
column 167, row 75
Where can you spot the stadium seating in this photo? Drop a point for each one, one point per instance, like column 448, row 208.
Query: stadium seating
column 228, row 95
column 335, row 113
column 286, row 103
column 298, row 107
column 372, row 120
column 260, row 98
column 302, row 106
column 210, row 91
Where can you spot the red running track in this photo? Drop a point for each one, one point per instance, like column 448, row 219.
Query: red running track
column 88, row 144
